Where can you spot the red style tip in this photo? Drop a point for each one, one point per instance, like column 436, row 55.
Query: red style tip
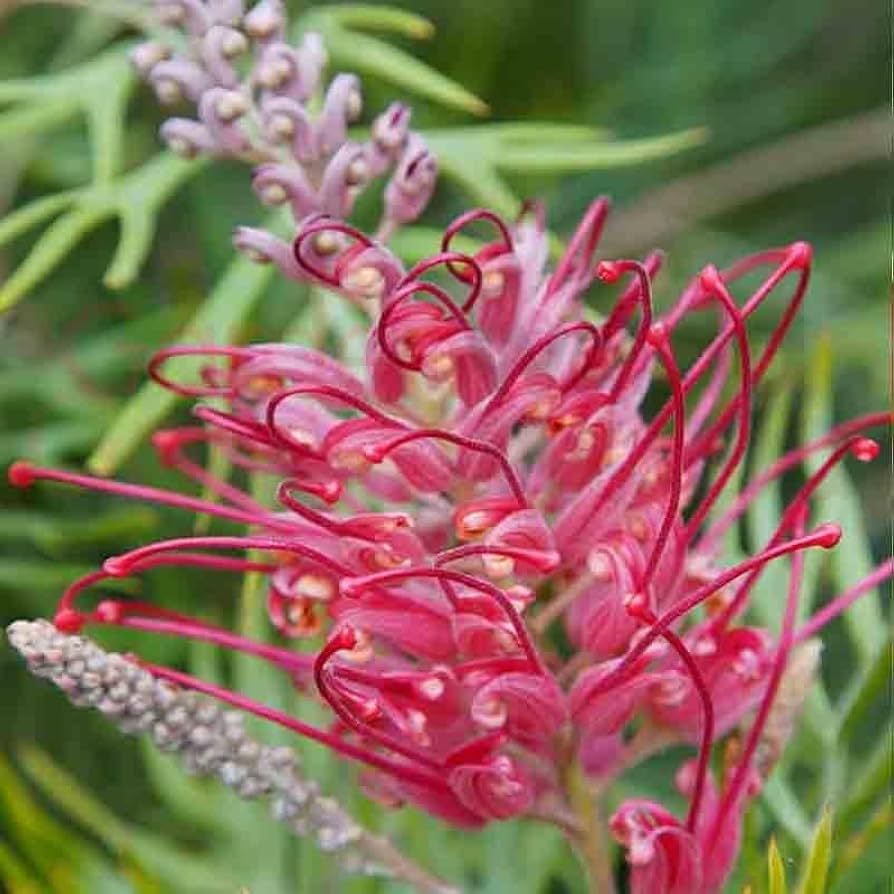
column 374, row 453
column 800, row 254
column 344, row 638
column 828, row 535
column 608, row 271
column 330, row 491
column 865, row 450
column 116, row 567
column 711, row 281
column 166, row 444
column 68, row 620
column 21, row 474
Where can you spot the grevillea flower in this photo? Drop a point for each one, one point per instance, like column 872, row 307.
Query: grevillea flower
column 485, row 557
column 444, row 513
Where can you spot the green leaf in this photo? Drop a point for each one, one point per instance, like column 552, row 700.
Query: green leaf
column 872, row 782
column 24, row 575
column 763, row 515
column 371, row 56
column 837, row 500
column 16, row 874
column 194, row 801
column 868, row 686
column 56, row 243
column 373, row 17
column 481, row 182
column 816, row 869
column 40, row 837
column 104, row 122
column 476, row 157
column 27, row 120
column 850, row 853
column 786, row 808
column 98, row 88
column 139, row 193
column 418, row 242
column 776, row 869
column 217, row 321
column 153, row 853
column 23, row 219
column 547, row 159
column 50, row 532
column 51, row 441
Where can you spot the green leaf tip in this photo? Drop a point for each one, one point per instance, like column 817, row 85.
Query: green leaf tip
column 816, row 869
column 776, row 870
column 383, row 18
column 369, row 55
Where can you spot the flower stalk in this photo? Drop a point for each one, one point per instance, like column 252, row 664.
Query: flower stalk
column 591, row 840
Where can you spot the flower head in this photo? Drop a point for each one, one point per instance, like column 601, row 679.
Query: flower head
column 499, row 559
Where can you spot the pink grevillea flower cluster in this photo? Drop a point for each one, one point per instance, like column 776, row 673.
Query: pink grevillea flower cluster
column 503, row 576
column 493, row 563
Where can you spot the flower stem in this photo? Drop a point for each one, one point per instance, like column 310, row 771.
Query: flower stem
column 400, row 868
column 590, row 843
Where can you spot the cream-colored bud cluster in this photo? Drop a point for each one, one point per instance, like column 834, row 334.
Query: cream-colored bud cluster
column 208, row 740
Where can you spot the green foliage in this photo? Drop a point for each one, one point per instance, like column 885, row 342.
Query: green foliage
column 816, row 868
column 776, row 870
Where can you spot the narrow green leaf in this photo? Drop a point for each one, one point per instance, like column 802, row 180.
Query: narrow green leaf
column 156, row 181
column 490, row 140
column 217, row 321
column 55, row 244
column 481, row 182
column 762, row 518
column 371, row 56
column 39, row 836
column 850, row 853
column 105, row 121
column 21, row 574
column 50, row 442
column 134, row 244
column 373, row 17
column 16, row 874
column 776, row 869
column 89, row 34
column 786, row 809
column 25, row 89
column 546, row 159
column 816, row 869
column 195, row 802
column 28, row 120
column 418, row 242
column 868, row 687
column 872, row 782
column 23, row 219
column 67, row 793
column 51, row 532
column 187, row 872
column 763, row 515
column 837, row 500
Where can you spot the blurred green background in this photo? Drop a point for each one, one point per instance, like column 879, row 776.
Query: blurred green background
column 797, row 131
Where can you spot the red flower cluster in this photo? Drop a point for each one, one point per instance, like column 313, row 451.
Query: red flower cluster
column 507, row 560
